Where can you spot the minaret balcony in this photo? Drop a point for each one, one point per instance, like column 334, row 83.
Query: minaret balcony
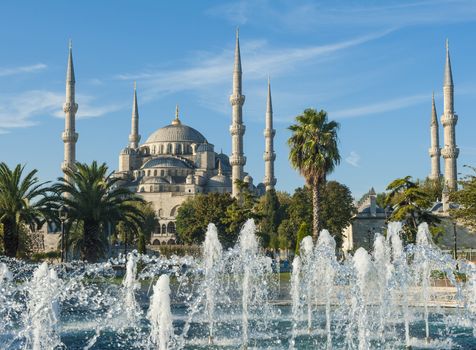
column 450, row 152
column 70, row 107
column 269, row 132
column 237, row 129
column 69, row 136
column 237, row 100
column 236, row 159
column 449, row 119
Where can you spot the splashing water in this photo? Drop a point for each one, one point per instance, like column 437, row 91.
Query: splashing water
column 160, row 315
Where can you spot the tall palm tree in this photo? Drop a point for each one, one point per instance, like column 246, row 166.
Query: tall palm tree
column 95, row 202
column 22, row 202
column 314, row 153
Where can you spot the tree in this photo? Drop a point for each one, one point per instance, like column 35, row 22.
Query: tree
column 433, row 187
column 410, row 205
column 22, row 202
column 315, row 154
column 97, row 203
column 197, row 212
column 302, row 232
column 337, row 209
column 466, row 198
column 270, row 218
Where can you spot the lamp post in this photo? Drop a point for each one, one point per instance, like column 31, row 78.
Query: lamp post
column 454, row 235
column 63, row 216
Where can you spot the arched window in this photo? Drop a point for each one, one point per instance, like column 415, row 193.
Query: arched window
column 161, row 149
column 178, row 148
column 155, row 172
column 156, row 242
column 169, row 148
column 148, row 172
column 164, row 228
column 153, row 149
column 162, row 173
column 171, row 227
column 157, row 226
column 170, row 242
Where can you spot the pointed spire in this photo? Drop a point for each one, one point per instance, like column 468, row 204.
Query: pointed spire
column 176, row 121
column 448, row 73
column 134, row 136
column 269, row 105
column 434, row 117
column 237, row 66
column 219, row 167
column 70, row 69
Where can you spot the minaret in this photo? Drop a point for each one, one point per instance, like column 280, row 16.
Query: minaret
column 237, row 129
column 434, row 150
column 269, row 155
column 70, row 107
column 134, row 136
column 449, row 119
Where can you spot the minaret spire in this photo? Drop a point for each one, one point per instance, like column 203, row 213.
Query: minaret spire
column 237, row 129
column 70, row 107
column 176, row 121
column 434, row 150
column 134, row 136
column 449, row 119
column 269, row 155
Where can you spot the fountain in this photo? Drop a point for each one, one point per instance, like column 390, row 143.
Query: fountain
column 227, row 299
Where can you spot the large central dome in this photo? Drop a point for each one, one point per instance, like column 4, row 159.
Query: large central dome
column 176, row 132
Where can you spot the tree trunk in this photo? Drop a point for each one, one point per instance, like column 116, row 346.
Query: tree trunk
column 316, row 208
column 89, row 249
column 10, row 238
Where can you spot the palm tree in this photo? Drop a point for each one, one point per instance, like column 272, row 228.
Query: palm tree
column 95, row 203
column 22, row 202
column 314, row 153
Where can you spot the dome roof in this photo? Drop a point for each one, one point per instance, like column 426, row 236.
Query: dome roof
column 167, row 162
column 219, row 181
column 176, row 132
column 154, row 180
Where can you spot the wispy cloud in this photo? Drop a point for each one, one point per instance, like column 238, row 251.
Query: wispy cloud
column 353, row 159
column 215, row 68
column 23, row 110
column 22, row 69
column 312, row 15
column 380, row 107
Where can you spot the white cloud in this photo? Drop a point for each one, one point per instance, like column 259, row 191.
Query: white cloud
column 313, row 15
column 22, row 110
column 216, row 68
column 380, row 107
column 22, row 69
column 353, row 159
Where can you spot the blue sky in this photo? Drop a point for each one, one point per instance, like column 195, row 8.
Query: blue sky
column 371, row 64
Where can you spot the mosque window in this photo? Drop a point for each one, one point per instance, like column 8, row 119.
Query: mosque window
column 171, row 227
column 153, row 149
column 164, row 228
column 169, row 148
column 155, row 172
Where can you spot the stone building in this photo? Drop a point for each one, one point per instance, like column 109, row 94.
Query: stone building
column 369, row 220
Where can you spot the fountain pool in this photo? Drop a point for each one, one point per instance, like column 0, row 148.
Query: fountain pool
column 390, row 298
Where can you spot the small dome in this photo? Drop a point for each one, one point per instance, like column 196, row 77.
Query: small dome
column 248, row 179
column 176, row 132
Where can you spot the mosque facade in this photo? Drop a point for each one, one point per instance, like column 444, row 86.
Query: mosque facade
column 176, row 161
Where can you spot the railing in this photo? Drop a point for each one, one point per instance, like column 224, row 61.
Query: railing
column 468, row 254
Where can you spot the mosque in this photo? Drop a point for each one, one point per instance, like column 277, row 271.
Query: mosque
column 176, row 161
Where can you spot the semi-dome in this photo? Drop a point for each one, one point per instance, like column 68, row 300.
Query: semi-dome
column 176, row 132
column 167, row 162
column 219, row 181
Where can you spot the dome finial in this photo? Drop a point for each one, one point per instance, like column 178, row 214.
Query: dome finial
column 176, row 121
